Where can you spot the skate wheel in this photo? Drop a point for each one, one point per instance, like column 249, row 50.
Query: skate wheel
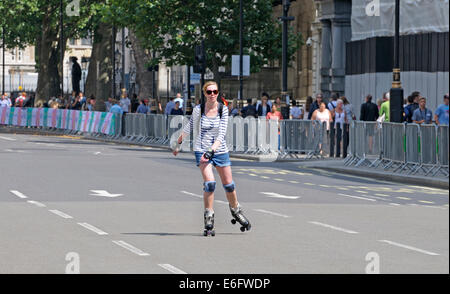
column 213, row 233
column 242, row 229
column 233, row 221
column 205, row 233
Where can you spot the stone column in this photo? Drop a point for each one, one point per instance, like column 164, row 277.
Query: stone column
column 326, row 56
column 340, row 36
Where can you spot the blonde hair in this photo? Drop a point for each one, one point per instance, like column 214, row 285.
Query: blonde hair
column 210, row 83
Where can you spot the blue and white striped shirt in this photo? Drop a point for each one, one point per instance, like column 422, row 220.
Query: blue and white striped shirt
column 210, row 130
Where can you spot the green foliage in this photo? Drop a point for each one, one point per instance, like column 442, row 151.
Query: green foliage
column 172, row 28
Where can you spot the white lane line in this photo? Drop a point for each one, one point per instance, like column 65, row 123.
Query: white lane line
column 191, row 194
column 93, row 229
column 426, row 202
column 221, row 202
column 38, row 204
column 8, row 139
column 272, row 213
column 46, row 144
column 333, row 227
column 60, row 213
column 394, row 204
column 171, row 268
column 408, row 247
column 18, row 194
column 131, row 248
column 362, row 192
column 356, row 197
column 382, row 195
column 276, row 195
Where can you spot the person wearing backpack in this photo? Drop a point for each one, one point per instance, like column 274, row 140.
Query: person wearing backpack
column 211, row 119
column 413, row 104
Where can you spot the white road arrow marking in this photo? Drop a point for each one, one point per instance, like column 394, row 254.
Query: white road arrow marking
column 276, row 195
column 103, row 193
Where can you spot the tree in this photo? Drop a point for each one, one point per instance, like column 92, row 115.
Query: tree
column 172, row 28
column 36, row 22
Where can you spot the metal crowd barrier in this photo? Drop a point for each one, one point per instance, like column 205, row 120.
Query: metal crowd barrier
column 302, row 136
column 249, row 135
column 410, row 148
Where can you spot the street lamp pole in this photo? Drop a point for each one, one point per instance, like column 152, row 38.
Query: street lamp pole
column 241, row 48
column 61, row 15
column 113, row 55
column 285, row 19
column 396, row 93
column 3, row 60
column 123, row 59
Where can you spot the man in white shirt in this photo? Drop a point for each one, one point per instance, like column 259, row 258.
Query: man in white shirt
column 125, row 103
column 179, row 99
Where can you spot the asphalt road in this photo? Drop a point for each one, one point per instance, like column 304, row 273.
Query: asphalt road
column 56, row 216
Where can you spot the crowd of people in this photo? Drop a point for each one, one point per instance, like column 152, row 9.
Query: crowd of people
column 336, row 114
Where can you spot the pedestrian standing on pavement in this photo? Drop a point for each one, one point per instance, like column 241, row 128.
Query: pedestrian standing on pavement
column 340, row 119
column 211, row 119
column 385, row 106
column 177, row 110
column 441, row 113
column 333, row 103
column 169, row 106
column 413, row 104
column 296, row 112
column 315, row 105
column 323, row 115
column 116, row 107
column 422, row 115
column 369, row 112
column 350, row 116
column 142, row 108
column 179, row 98
column 5, row 101
column 263, row 108
column 20, row 101
column 125, row 103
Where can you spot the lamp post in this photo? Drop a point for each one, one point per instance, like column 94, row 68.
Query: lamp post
column 122, row 83
column 3, row 61
column 117, row 56
column 241, row 48
column 285, row 18
column 61, row 40
column 396, row 93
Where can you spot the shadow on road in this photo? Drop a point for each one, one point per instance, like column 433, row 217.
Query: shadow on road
column 179, row 234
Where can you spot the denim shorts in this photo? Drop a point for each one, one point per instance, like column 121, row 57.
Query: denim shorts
column 220, row 160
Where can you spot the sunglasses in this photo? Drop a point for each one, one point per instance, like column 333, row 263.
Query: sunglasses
column 215, row 92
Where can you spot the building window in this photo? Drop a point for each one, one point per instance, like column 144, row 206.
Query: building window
column 72, row 42
column 86, row 41
column 19, row 55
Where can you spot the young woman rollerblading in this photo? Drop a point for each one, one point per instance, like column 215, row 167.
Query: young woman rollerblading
column 211, row 119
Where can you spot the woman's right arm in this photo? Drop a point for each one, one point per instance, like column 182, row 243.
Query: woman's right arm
column 187, row 127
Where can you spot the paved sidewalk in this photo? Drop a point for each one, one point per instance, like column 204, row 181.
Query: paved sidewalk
column 333, row 165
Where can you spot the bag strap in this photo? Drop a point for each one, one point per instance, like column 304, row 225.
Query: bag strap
column 220, row 109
